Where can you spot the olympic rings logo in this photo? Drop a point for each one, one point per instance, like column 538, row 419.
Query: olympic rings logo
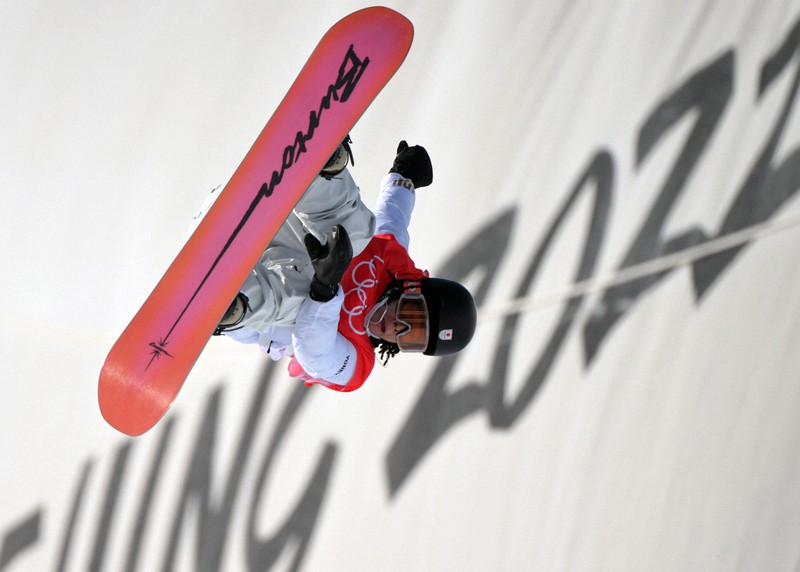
column 364, row 277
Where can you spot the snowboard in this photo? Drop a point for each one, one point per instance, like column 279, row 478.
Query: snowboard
column 147, row 366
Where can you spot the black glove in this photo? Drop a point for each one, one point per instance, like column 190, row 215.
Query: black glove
column 330, row 262
column 413, row 163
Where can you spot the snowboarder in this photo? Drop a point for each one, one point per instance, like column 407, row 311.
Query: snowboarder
column 337, row 283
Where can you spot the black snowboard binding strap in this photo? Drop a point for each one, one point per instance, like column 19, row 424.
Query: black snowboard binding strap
column 234, row 315
column 338, row 161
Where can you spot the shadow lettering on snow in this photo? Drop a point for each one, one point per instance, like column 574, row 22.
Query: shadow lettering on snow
column 701, row 100
column 202, row 513
column 437, row 410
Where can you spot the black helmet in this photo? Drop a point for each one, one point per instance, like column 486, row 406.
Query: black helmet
column 452, row 316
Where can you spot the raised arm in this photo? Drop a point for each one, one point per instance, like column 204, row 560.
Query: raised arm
column 410, row 170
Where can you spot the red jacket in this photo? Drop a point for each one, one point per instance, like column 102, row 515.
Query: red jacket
column 370, row 273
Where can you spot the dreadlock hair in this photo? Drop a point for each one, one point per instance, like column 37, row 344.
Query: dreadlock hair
column 387, row 350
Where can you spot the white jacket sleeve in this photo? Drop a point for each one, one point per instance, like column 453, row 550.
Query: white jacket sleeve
column 394, row 207
column 318, row 346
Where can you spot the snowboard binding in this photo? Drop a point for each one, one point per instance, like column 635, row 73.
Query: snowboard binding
column 234, row 315
column 339, row 159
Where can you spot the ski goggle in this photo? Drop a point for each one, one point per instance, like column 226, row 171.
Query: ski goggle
column 412, row 312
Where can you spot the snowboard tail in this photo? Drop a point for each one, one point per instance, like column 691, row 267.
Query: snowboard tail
column 150, row 361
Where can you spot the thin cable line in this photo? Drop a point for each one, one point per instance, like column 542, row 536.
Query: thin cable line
column 638, row 271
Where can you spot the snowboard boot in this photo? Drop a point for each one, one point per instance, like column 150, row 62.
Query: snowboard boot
column 234, row 315
column 338, row 161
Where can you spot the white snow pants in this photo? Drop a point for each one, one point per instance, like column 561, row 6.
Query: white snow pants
column 279, row 282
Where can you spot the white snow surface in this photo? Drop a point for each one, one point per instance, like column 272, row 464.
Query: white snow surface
column 673, row 446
